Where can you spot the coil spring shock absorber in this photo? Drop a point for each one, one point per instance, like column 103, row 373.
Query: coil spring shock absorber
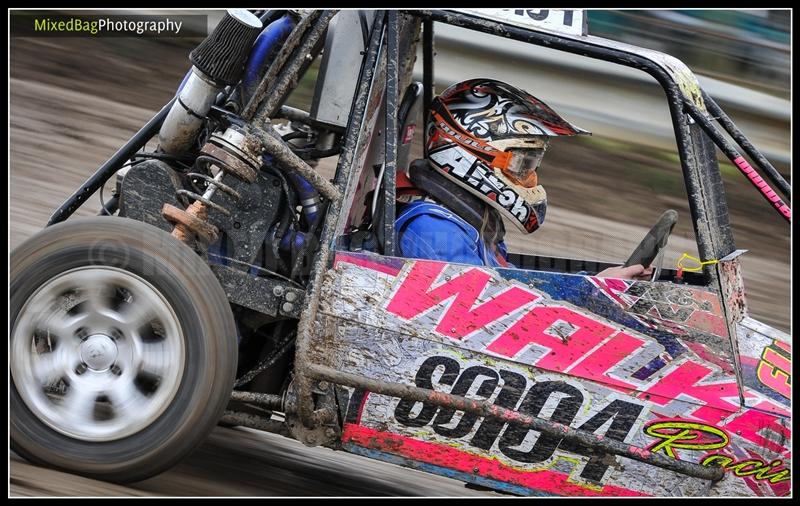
column 235, row 152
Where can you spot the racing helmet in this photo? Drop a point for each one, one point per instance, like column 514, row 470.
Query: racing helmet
column 489, row 137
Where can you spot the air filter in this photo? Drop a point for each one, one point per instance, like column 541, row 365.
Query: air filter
column 224, row 52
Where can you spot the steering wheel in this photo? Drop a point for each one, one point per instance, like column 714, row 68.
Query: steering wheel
column 654, row 241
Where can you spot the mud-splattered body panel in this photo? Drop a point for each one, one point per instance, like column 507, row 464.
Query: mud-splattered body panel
column 647, row 364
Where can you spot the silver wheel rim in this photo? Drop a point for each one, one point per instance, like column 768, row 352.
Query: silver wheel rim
column 97, row 353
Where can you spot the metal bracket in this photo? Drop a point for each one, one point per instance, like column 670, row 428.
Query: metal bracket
column 734, row 306
column 251, row 215
column 272, row 297
column 732, row 292
column 324, row 399
column 144, row 189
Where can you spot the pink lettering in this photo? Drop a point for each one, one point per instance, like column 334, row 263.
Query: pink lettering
column 784, row 346
column 596, row 365
column 684, row 379
column 751, row 423
column 777, row 359
column 415, row 296
column 757, row 180
column 565, row 348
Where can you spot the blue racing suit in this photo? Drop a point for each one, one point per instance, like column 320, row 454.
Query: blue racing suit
column 429, row 230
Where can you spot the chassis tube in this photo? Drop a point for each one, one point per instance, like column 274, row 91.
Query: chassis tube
column 305, row 403
column 390, row 136
column 278, row 149
column 737, row 135
column 487, row 409
column 427, row 71
column 738, row 160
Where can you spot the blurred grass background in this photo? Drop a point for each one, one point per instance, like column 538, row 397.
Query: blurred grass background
column 750, row 47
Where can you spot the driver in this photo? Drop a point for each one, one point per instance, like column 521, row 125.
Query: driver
column 485, row 141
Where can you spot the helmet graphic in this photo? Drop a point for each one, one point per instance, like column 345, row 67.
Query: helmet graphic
column 490, row 137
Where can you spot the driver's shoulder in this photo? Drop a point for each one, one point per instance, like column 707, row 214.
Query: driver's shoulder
column 431, row 216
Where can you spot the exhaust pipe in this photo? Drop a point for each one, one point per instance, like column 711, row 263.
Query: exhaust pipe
column 217, row 62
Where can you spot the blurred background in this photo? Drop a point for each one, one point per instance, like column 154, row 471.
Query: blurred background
column 74, row 101
column 750, row 48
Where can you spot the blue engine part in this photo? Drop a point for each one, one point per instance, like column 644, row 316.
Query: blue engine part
column 264, row 48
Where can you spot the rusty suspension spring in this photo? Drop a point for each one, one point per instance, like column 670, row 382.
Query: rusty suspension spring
column 229, row 157
column 212, row 183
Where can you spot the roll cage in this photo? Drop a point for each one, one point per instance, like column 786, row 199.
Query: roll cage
column 692, row 112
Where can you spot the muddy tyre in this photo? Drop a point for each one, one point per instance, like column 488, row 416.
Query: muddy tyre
column 122, row 349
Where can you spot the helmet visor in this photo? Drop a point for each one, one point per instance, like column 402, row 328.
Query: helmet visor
column 522, row 166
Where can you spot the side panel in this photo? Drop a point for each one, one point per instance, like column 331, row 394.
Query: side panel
column 636, row 362
column 766, row 356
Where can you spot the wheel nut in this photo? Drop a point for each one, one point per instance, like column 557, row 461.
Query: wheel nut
column 277, row 291
column 80, row 369
column 116, row 370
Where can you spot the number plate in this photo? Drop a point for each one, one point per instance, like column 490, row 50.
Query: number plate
column 568, row 22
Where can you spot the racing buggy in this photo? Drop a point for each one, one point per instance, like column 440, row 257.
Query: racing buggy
column 229, row 280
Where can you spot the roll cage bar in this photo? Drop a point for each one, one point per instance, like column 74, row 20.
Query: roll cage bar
column 691, row 109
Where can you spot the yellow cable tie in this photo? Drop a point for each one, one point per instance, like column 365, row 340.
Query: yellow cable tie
column 700, row 263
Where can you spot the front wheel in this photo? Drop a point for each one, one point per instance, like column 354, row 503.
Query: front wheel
column 122, row 349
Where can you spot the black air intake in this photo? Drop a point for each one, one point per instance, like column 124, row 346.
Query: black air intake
column 224, row 52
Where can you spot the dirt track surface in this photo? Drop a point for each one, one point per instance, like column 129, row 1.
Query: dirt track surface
column 66, row 120
column 243, row 462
